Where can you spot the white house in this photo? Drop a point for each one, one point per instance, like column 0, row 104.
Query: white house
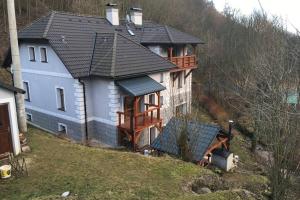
column 105, row 79
column 9, row 131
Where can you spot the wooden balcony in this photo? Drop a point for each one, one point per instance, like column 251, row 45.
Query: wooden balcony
column 140, row 121
column 132, row 121
column 184, row 61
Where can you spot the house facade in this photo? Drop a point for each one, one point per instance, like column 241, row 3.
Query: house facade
column 105, row 80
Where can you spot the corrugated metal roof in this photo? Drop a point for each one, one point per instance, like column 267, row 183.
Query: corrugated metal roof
column 200, row 137
column 73, row 39
column 140, row 86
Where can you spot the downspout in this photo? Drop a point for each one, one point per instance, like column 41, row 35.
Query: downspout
column 85, row 111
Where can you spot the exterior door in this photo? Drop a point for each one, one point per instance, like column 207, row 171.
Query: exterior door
column 5, row 135
column 128, row 108
column 152, row 134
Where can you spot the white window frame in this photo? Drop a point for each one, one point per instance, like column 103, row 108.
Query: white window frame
column 161, row 101
column 46, row 54
column 149, row 98
column 27, row 92
column 56, row 95
column 29, row 114
column 161, row 77
column 28, row 49
column 59, row 127
column 179, row 81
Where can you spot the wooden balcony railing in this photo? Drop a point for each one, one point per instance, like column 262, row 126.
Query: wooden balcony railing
column 184, row 61
column 140, row 120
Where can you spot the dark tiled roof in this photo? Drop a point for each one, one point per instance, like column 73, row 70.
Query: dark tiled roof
column 118, row 56
column 140, row 86
column 200, row 137
column 73, row 38
column 11, row 88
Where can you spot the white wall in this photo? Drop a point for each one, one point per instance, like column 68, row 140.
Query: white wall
column 103, row 100
column 7, row 97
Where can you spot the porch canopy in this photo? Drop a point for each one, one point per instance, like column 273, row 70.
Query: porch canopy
column 140, row 86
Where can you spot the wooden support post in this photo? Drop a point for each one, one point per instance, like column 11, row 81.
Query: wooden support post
column 158, row 110
column 170, row 53
column 133, row 142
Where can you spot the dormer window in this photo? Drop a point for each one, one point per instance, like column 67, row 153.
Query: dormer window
column 43, row 52
column 31, row 54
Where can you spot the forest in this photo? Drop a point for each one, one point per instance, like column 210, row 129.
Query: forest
column 249, row 65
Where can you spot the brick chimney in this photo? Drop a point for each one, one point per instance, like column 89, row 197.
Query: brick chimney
column 112, row 14
column 136, row 16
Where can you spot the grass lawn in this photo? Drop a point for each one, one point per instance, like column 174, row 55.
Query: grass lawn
column 56, row 166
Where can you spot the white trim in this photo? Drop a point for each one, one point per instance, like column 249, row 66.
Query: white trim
column 64, row 125
column 27, row 92
column 56, row 95
column 46, row 54
column 46, row 73
column 13, row 123
column 99, row 119
column 55, row 114
column 29, row 114
column 28, row 49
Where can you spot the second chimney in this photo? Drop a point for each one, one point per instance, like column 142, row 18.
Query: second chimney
column 112, row 14
column 136, row 16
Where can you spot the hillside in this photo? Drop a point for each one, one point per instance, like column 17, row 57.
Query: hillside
column 56, row 166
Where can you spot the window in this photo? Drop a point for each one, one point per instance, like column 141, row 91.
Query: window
column 60, row 95
column 161, row 100
column 181, row 109
column 62, row 128
column 180, row 80
column 31, row 54
column 29, row 117
column 152, row 99
column 27, row 92
column 161, row 77
column 43, row 52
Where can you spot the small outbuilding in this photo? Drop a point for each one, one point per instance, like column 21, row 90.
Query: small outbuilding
column 223, row 159
column 9, row 131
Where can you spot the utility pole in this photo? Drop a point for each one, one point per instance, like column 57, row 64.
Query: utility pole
column 16, row 65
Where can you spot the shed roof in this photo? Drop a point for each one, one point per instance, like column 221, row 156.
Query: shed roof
column 140, row 86
column 11, row 88
column 200, row 137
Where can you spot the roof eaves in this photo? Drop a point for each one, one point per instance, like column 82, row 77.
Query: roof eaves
column 11, row 88
column 49, row 24
column 113, row 61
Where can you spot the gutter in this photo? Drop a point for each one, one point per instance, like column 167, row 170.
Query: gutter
column 85, row 112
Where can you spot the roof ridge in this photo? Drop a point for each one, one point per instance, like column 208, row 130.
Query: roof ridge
column 169, row 34
column 146, row 48
column 49, row 24
column 114, row 49
column 93, row 53
column 78, row 14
